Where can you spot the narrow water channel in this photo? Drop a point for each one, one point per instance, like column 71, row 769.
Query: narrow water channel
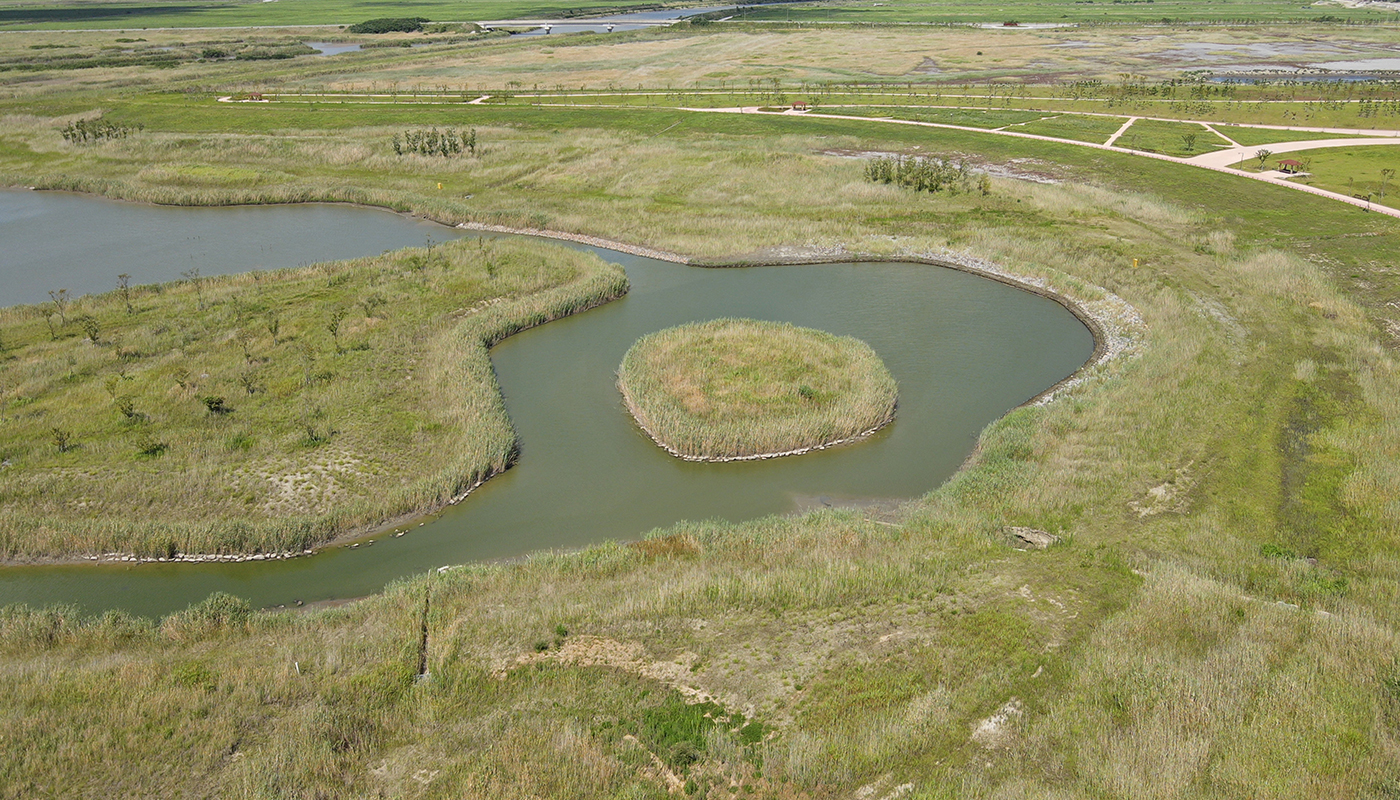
column 964, row 350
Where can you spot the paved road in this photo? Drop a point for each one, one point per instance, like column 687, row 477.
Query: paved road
column 1234, row 155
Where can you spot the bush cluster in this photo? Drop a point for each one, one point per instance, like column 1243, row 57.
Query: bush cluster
column 95, row 130
column 389, row 25
column 433, row 142
column 925, row 174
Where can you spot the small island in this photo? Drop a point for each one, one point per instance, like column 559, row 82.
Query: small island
column 737, row 389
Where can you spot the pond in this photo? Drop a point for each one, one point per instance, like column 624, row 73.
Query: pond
column 333, row 48
column 963, row 348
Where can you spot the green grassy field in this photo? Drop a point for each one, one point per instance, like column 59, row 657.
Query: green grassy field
column 1367, row 171
column 1069, row 126
column 947, row 116
column 741, row 388
column 1216, row 613
column 1180, row 139
column 1257, row 136
column 267, row 412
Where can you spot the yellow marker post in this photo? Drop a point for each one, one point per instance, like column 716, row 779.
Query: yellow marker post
column 1134, row 261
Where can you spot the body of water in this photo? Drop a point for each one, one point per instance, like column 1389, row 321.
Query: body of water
column 964, row 350
column 332, row 48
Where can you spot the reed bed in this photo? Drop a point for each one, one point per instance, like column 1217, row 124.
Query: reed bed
column 737, row 388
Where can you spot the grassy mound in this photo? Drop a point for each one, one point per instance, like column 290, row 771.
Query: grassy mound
column 269, row 411
column 739, row 388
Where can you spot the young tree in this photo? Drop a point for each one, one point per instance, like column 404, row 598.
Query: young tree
column 124, row 287
column 90, row 327
column 249, row 381
column 274, row 325
column 60, row 304
column 373, row 303
column 333, row 325
column 1386, row 176
column 192, row 275
column 245, row 343
column 1263, row 156
column 62, row 439
column 1189, row 139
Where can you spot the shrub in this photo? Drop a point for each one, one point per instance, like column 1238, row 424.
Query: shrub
column 389, row 25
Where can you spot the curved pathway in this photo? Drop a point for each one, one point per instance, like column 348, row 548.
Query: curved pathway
column 1234, row 155
column 1205, row 161
column 1218, row 160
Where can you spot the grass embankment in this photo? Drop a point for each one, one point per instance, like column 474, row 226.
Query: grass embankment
column 1241, row 457
column 740, row 388
column 267, row 412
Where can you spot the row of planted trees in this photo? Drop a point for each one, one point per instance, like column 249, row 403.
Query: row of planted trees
column 432, row 142
column 95, row 130
column 925, row 174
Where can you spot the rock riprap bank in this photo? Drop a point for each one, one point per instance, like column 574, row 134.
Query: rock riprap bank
column 737, row 389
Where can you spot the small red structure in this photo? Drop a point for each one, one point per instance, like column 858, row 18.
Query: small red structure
column 799, row 106
column 255, row 96
column 1290, row 166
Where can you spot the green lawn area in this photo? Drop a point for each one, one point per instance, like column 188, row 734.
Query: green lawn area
column 1250, row 136
column 1355, row 171
column 1078, row 128
column 1155, row 136
column 971, row 118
